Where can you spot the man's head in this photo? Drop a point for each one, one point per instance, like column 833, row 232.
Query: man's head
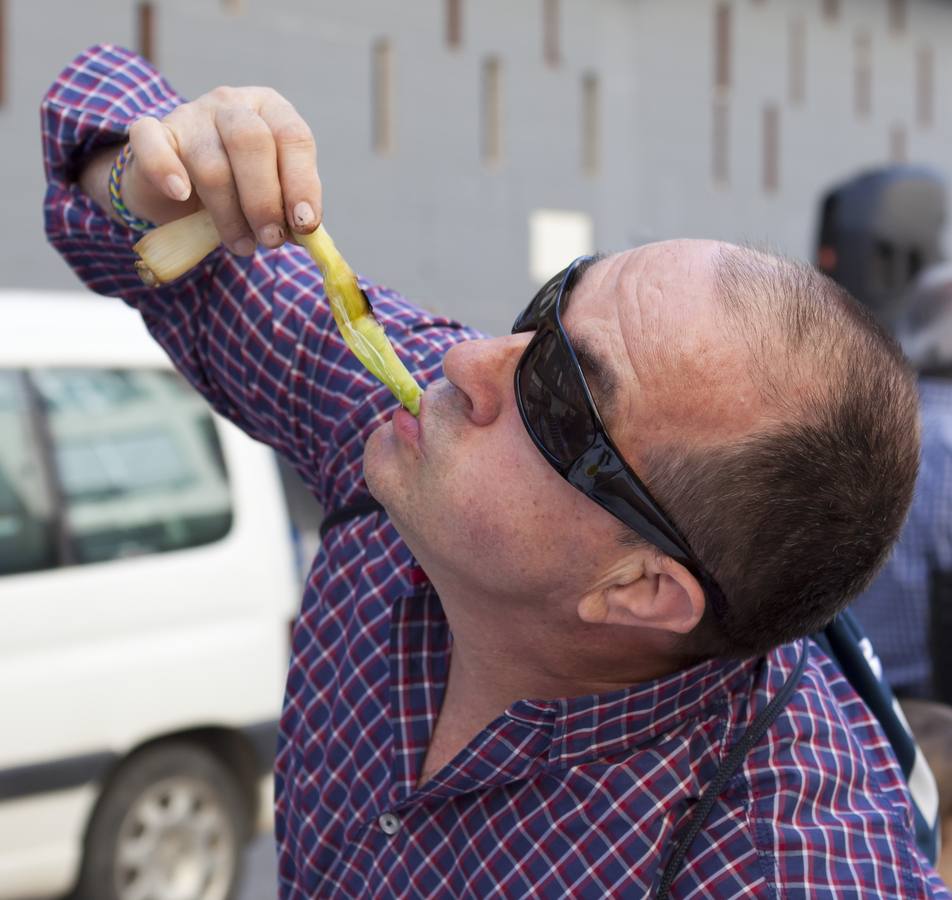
column 769, row 416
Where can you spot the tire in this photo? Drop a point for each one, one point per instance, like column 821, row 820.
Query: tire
column 172, row 816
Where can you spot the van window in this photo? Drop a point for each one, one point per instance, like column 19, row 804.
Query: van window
column 137, row 463
column 27, row 526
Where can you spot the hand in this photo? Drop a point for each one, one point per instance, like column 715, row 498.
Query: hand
column 245, row 154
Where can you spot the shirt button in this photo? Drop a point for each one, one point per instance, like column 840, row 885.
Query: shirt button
column 389, row 823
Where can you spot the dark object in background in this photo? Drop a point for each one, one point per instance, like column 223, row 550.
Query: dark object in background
column 879, row 230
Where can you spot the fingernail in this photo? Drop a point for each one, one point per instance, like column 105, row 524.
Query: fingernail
column 271, row 235
column 303, row 214
column 243, row 246
column 177, row 188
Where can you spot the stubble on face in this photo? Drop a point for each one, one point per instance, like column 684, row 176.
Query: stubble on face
column 434, row 494
column 483, row 500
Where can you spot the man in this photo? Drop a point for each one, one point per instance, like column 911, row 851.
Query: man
column 521, row 677
column 907, row 610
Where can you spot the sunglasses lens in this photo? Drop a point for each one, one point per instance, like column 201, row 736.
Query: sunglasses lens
column 553, row 400
column 540, row 305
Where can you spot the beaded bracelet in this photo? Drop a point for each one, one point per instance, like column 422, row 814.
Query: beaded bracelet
column 115, row 192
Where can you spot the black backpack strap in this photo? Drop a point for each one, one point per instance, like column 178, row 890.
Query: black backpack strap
column 851, row 651
column 754, row 732
column 940, row 634
column 360, row 508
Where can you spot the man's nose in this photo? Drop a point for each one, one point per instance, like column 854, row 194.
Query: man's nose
column 483, row 370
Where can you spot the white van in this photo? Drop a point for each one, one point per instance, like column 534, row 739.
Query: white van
column 147, row 586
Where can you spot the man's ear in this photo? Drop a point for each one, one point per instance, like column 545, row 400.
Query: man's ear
column 658, row 593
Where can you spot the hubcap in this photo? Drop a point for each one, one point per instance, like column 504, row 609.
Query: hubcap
column 175, row 843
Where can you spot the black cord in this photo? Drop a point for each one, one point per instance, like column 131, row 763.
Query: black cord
column 727, row 769
column 351, row 511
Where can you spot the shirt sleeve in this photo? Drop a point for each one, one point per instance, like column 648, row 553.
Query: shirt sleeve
column 254, row 335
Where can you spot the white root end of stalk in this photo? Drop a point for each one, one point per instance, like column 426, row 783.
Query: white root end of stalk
column 172, row 249
column 146, row 274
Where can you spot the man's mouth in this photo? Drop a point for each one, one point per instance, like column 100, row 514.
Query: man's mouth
column 443, row 405
column 407, row 427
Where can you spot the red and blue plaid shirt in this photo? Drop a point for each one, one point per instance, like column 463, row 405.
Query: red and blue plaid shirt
column 576, row 797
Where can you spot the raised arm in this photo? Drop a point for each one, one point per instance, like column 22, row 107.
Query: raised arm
column 249, row 328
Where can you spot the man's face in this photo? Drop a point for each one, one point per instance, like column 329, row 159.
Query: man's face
column 474, row 497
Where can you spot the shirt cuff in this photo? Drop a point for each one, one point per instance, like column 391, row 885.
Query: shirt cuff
column 92, row 104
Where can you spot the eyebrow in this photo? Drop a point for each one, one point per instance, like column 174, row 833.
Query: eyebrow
column 599, row 377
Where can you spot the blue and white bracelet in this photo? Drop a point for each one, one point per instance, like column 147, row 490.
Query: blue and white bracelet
column 115, row 192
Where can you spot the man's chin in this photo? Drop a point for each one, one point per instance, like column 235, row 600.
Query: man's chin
column 373, row 460
column 384, row 468
column 394, row 482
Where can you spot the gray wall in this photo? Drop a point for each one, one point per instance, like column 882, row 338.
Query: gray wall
column 431, row 218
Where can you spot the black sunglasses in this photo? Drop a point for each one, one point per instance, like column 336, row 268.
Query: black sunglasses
column 560, row 415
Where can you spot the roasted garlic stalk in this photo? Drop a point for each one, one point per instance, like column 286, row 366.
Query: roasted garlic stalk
column 355, row 319
column 172, row 249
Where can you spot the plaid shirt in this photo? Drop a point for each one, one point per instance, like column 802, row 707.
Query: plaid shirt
column 894, row 611
column 577, row 797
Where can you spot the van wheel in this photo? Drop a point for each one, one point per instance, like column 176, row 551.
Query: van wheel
column 170, row 826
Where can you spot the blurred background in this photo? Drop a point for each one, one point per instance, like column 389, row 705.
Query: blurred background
column 467, row 150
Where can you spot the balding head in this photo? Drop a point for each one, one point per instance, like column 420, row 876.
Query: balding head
column 665, row 332
column 778, row 427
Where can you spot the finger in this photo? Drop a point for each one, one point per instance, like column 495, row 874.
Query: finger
column 157, row 159
column 297, row 164
column 249, row 143
column 210, row 170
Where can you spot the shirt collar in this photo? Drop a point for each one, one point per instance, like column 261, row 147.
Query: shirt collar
column 601, row 725
column 577, row 729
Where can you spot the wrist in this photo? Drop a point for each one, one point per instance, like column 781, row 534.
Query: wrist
column 94, row 178
column 139, row 197
column 120, row 165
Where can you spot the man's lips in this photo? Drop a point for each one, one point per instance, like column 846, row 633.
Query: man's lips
column 441, row 399
column 408, row 427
